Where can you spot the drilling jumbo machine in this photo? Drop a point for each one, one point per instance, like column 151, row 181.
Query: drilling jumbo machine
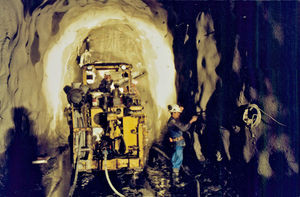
column 107, row 126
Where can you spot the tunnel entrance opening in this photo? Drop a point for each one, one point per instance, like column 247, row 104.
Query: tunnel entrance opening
column 119, row 38
column 133, row 40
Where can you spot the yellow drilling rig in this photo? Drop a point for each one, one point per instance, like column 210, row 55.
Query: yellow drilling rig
column 107, row 124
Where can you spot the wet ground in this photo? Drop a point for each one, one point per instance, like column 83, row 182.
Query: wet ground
column 156, row 180
column 205, row 179
column 209, row 179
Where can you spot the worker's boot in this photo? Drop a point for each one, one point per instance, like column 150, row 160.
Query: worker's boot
column 176, row 180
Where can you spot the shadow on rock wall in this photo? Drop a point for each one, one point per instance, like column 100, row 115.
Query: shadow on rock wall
column 262, row 55
column 23, row 178
column 282, row 182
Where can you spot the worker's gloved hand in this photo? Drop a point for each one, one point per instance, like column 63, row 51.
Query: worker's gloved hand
column 181, row 108
column 194, row 118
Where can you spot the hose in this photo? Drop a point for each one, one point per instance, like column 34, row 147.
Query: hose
column 107, row 177
column 198, row 188
column 195, row 177
column 168, row 158
column 72, row 189
column 198, row 185
column 161, row 152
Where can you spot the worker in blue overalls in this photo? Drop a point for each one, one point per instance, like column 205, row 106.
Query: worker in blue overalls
column 175, row 131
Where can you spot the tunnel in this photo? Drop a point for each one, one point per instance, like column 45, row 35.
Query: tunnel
column 234, row 65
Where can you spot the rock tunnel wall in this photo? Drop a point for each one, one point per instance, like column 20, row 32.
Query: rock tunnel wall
column 41, row 45
column 242, row 53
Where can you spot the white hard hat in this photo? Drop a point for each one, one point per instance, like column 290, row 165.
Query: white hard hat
column 174, row 108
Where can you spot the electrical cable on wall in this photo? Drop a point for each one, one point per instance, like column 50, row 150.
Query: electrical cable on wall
column 281, row 124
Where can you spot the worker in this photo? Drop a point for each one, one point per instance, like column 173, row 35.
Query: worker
column 175, row 131
column 106, row 83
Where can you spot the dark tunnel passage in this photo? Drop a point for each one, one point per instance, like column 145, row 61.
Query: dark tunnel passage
column 245, row 25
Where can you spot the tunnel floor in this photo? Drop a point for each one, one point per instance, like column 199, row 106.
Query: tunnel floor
column 211, row 179
column 208, row 179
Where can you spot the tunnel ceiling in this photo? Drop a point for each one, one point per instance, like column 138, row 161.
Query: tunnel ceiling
column 115, row 42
